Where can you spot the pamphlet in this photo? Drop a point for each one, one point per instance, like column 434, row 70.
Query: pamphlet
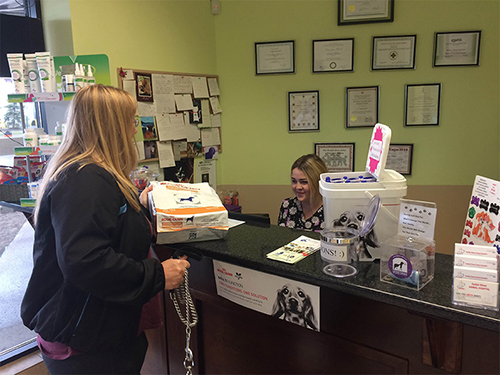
column 296, row 250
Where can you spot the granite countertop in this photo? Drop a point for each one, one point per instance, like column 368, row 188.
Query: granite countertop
column 247, row 245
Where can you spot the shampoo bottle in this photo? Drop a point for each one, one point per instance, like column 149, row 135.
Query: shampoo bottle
column 33, row 73
column 90, row 77
column 16, row 71
column 79, row 77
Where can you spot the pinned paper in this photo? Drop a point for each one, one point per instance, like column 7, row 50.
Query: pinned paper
column 163, row 87
column 214, row 103
column 200, row 88
column 182, row 85
column 215, row 120
column 213, row 86
column 205, row 113
column 184, row 102
column 210, row 137
column 166, row 154
column 146, row 108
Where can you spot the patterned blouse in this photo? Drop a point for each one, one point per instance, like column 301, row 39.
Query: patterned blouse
column 291, row 216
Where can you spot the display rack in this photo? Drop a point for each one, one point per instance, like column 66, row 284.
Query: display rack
column 40, row 97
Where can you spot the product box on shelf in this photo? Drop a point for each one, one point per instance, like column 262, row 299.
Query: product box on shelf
column 345, row 195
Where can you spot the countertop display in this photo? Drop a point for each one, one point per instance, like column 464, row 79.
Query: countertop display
column 247, row 245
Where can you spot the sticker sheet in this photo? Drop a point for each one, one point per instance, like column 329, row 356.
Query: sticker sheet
column 482, row 224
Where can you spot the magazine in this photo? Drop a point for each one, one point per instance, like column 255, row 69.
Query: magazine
column 296, row 250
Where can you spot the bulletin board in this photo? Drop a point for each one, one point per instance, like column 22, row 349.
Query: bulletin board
column 179, row 118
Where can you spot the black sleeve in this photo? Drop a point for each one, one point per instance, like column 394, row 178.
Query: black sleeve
column 281, row 218
column 84, row 213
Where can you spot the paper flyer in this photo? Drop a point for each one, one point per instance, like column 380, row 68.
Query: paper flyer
column 483, row 216
column 290, row 300
column 296, row 250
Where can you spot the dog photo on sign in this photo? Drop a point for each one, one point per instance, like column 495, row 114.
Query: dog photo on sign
column 294, row 305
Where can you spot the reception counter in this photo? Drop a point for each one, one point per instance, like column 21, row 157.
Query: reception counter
column 367, row 326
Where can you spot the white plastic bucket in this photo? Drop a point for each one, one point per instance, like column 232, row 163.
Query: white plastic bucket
column 343, row 203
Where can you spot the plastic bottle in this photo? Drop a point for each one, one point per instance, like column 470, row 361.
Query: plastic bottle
column 59, row 128
column 79, row 77
column 30, row 138
column 43, row 139
column 90, row 77
column 55, row 140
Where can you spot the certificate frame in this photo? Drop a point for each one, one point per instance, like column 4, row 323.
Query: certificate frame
column 400, row 158
column 344, row 51
column 338, row 157
column 351, row 12
column 283, row 53
column 464, row 53
column 393, row 52
column 370, row 107
column 420, row 116
column 303, row 111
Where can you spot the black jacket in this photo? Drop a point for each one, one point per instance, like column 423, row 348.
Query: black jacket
column 91, row 273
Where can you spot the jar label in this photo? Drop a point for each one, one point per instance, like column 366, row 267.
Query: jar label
column 334, row 253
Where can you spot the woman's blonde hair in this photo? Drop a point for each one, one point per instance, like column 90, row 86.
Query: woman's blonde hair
column 312, row 166
column 98, row 131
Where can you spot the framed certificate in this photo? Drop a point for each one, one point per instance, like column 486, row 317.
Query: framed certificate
column 275, row 57
column 399, row 158
column 361, row 106
column 333, row 55
column 457, row 49
column 365, row 11
column 393, row 52
column 338, row 157
column 422, row 105
column 303, row 111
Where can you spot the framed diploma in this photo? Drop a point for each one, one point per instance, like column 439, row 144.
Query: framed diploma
column 275, row 57
column 303, row 111
column 361, row 106
column 338, row 157
column 393, row 52
column 399, row 158
column 422, row 105
column 365, row 11
column 333, row 55
column 457, row 49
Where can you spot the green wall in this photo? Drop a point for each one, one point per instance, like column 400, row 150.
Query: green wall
column 257, row 146
column 183, row 36
column 176, row 36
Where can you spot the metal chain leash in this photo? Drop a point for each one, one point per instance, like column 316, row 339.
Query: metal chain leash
column 181, row 295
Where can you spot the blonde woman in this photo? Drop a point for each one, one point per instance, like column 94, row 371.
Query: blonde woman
column 92, row 274
column 305, row 210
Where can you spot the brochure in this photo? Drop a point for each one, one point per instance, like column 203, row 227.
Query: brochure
column 296, row 250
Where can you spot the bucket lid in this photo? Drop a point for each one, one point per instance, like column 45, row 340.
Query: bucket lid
column 370, row 216
column 378, row 150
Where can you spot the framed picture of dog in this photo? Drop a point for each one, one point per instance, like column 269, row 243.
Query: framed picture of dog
column 338, row 157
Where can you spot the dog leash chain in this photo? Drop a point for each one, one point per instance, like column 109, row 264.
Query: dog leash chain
column 181, row 295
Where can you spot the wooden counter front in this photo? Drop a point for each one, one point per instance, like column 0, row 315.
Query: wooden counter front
column 363, row 331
